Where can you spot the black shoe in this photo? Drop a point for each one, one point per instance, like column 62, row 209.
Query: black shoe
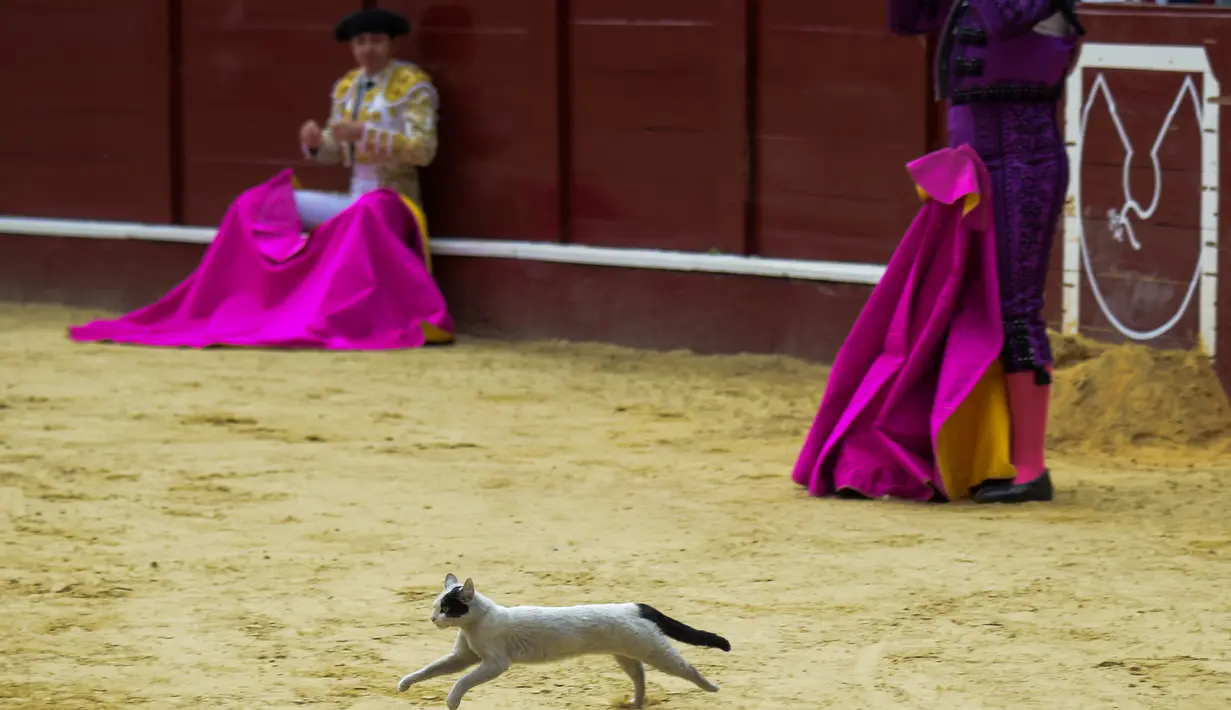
column 1037, row 491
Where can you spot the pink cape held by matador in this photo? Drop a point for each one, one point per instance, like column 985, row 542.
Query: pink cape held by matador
column 941, row 390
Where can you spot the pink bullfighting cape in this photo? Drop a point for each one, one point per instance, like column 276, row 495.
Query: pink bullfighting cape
column 361, row 280
column 915, row 407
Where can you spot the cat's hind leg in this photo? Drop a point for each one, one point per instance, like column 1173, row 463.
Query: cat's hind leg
column 665, row 658
column 636, row 671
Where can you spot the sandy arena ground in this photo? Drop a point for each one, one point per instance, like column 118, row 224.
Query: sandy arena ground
column 248, row 530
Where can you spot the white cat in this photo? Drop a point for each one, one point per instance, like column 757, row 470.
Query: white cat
column 496, row 637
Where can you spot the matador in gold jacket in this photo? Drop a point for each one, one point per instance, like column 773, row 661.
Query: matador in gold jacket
column 291, row 268
column 382, row 119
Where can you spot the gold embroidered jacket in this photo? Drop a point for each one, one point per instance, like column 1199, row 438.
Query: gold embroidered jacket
column 399, row 108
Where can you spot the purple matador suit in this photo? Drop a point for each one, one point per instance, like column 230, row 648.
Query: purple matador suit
column 1002, row 65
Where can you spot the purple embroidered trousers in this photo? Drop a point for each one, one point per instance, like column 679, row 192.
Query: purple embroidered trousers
column 1001, row 65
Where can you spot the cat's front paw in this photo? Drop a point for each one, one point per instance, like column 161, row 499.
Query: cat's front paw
column 405, row 683
column 454, row 701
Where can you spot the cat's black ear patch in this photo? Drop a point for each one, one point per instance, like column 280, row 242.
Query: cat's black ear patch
column 451, row 604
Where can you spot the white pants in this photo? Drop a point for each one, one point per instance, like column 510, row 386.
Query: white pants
column 316, row 207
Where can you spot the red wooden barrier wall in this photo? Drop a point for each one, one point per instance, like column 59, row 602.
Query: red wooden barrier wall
column 497, row 65
column 250, row 72
column 85, row 137
column 772, row 127
column 658, row 152
column 842, row 106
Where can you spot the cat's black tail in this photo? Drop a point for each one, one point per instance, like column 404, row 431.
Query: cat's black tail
column 682, row 632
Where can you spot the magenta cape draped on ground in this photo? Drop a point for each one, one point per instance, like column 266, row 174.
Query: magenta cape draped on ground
column 915, row 406
column 353, row 284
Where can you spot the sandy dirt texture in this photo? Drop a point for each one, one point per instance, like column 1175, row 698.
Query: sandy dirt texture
column 255, row 529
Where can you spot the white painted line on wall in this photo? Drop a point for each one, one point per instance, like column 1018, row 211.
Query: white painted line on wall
column 832, row 271
column 91, row 229
column 804, row 270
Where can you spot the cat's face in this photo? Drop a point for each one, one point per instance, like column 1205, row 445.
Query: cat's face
column 452, row 607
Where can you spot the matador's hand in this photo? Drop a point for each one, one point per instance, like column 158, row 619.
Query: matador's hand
column 310, row 135
column 347, row 131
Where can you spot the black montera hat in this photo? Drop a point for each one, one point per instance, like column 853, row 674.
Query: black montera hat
column 377, row 21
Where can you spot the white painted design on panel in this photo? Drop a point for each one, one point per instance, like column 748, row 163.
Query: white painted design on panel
column 1077, row 262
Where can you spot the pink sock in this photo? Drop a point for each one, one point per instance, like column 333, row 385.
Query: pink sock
column 1028, row 410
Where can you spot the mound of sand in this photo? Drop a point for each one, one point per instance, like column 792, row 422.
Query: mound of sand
column 1116, row 398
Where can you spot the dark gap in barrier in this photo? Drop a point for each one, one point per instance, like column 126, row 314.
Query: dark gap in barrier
column 933, row 110
column 564, row 119
column 752, row 66
column 175, row 108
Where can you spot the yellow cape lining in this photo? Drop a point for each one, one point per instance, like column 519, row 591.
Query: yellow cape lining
column 974, row 443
